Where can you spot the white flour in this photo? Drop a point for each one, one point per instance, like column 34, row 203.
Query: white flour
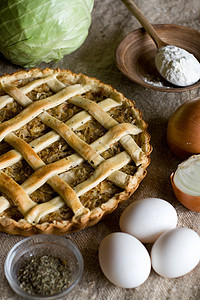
column 154, row 82
column 177, row 65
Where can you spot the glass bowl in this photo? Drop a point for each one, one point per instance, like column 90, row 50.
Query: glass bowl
column 39, row 245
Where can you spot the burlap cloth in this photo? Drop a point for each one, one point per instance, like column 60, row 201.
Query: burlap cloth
column 111, row 22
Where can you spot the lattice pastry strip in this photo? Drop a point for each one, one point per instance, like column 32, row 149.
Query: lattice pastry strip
column 68, row 88
column 54, row 181
column 108, row 122
column 6, row 99
column 36, row 108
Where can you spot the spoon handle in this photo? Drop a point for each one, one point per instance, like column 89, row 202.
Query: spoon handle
column 144, row 22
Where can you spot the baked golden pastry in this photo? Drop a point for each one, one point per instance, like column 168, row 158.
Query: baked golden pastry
column 71, row 149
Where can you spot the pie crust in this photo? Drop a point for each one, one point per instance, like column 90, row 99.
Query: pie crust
column 71, row 149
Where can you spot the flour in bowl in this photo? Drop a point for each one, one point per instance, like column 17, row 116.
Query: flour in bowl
column 177, row 65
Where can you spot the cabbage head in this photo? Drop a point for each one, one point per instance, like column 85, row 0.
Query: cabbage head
column 35, row 31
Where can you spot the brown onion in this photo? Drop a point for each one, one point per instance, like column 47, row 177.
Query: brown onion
column 183, row 130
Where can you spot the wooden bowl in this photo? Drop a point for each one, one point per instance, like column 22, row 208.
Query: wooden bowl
column 136, row 52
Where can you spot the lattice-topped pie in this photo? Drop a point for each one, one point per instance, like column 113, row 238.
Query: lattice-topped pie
column 71, row 149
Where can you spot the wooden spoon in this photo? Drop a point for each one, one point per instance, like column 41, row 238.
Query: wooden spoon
column 168, row 65
column 145, row 23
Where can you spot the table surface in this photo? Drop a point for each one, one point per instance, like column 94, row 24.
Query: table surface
column 111, row 21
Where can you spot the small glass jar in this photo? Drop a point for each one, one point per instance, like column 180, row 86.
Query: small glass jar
column 43, row 244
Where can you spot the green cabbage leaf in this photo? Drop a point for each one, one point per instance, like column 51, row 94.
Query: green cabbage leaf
column 36, row 31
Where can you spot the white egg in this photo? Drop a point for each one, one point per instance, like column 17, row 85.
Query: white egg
column 124, row 260
column 148, row 218
column 176, row 252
